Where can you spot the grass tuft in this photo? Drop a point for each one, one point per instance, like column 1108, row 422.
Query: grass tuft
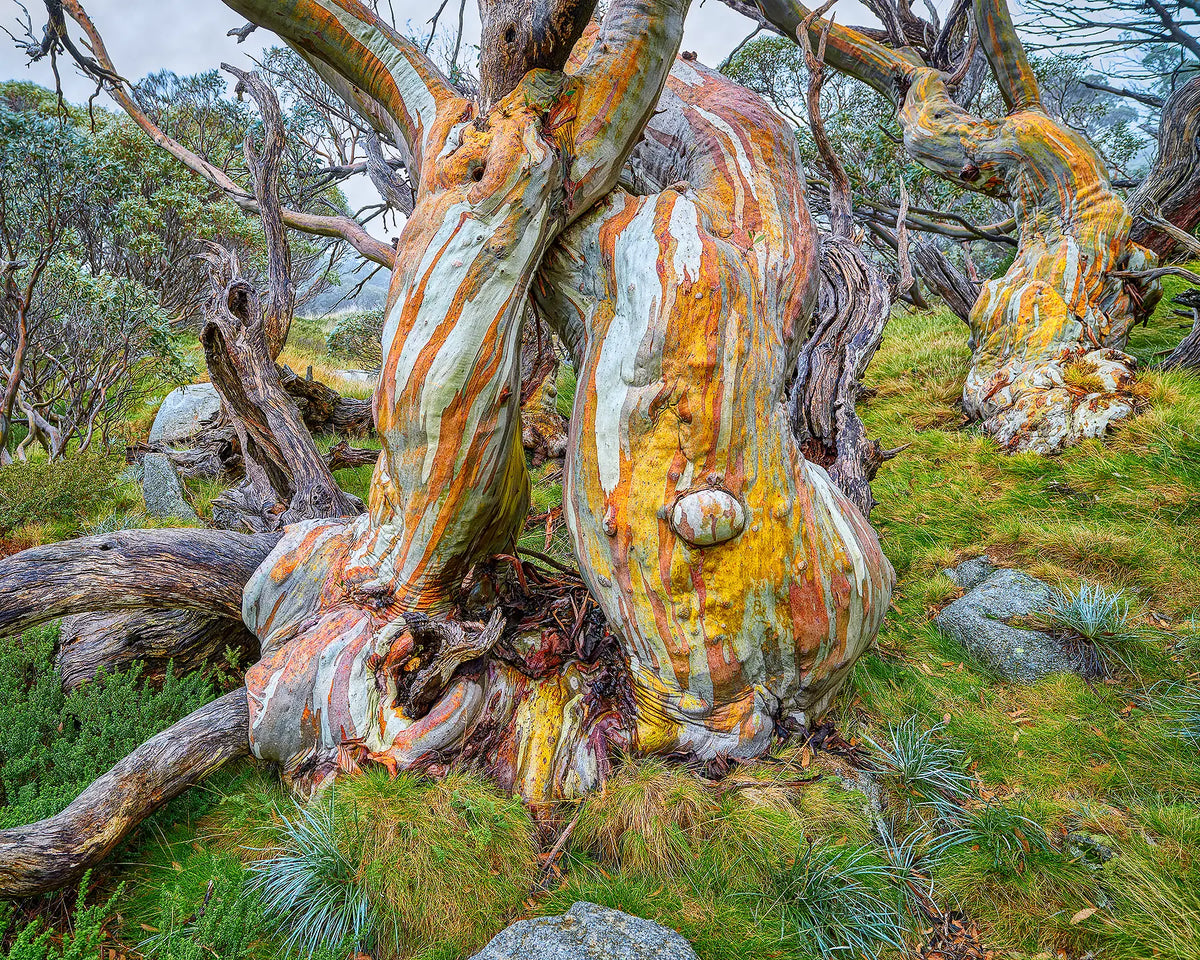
column 840, row 900
column 312, row 886
column 921, row 767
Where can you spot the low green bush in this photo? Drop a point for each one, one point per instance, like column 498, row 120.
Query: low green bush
column 67, row 490
column 81, row 941
column 357, row 337
column 53, row 744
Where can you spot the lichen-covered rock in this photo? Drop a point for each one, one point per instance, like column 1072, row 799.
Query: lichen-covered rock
column 185, row 414
column 587, row 932
column 977, row 620
column 162, row 490
column 971, row 573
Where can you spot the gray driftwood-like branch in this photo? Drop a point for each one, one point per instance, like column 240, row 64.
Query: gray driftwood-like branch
column 57, row 850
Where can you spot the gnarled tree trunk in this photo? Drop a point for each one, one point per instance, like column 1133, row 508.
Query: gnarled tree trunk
column 739, row 582
column 1171, row 190
column 1046, row 338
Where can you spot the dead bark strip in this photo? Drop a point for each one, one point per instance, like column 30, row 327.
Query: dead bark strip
column 182, row 639
column 956, row 289
column 57, row 850
column 853, row 309
column 1171, row 191
column 180, row 569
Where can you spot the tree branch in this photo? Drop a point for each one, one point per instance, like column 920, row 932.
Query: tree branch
column 57, row 850
column 177, row 569
column 359, row 46
column 341, row 227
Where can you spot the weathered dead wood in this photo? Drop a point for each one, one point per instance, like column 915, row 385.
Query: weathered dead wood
column 287, row 479
column 522, row 35
column 853, row 306
column 264, row 167
column 57, row 850
column 182, row 639
column 956, row 289
column 323, row 409
column 1171, row 191
column 1186, row 356
column 178, row 569
column 853, row 309
column 342, row 456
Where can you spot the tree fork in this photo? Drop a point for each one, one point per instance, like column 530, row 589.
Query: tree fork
column 56, row 851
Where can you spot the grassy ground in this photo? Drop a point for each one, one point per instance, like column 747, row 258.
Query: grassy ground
column 1058, row 819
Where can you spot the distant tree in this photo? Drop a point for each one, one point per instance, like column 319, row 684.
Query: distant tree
column 1149, row 52
column 75, row 339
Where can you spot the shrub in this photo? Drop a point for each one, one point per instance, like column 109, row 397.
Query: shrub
column 357, row 337
column 63, row 490
column 53, row 744
column 81, row 941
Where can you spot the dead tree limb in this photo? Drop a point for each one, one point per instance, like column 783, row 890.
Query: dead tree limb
column 57, row 850
column 264, row 167
column 853, row 307
column 1186, row 356
column 182, row 639
column 323, row 409
column 179, row 569
column 852, row 310
column 286, row 477
column 956, row 289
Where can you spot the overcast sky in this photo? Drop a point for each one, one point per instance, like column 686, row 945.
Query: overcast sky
column 188, row 36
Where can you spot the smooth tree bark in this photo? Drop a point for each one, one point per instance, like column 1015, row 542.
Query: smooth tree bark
column 1061, row 314
column 738, row 582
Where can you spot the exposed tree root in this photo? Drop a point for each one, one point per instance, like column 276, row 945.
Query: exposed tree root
column 57, row 850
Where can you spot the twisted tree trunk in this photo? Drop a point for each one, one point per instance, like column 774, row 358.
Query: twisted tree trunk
column 738, row 581
column 1171, row 190
column 1061, row 314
